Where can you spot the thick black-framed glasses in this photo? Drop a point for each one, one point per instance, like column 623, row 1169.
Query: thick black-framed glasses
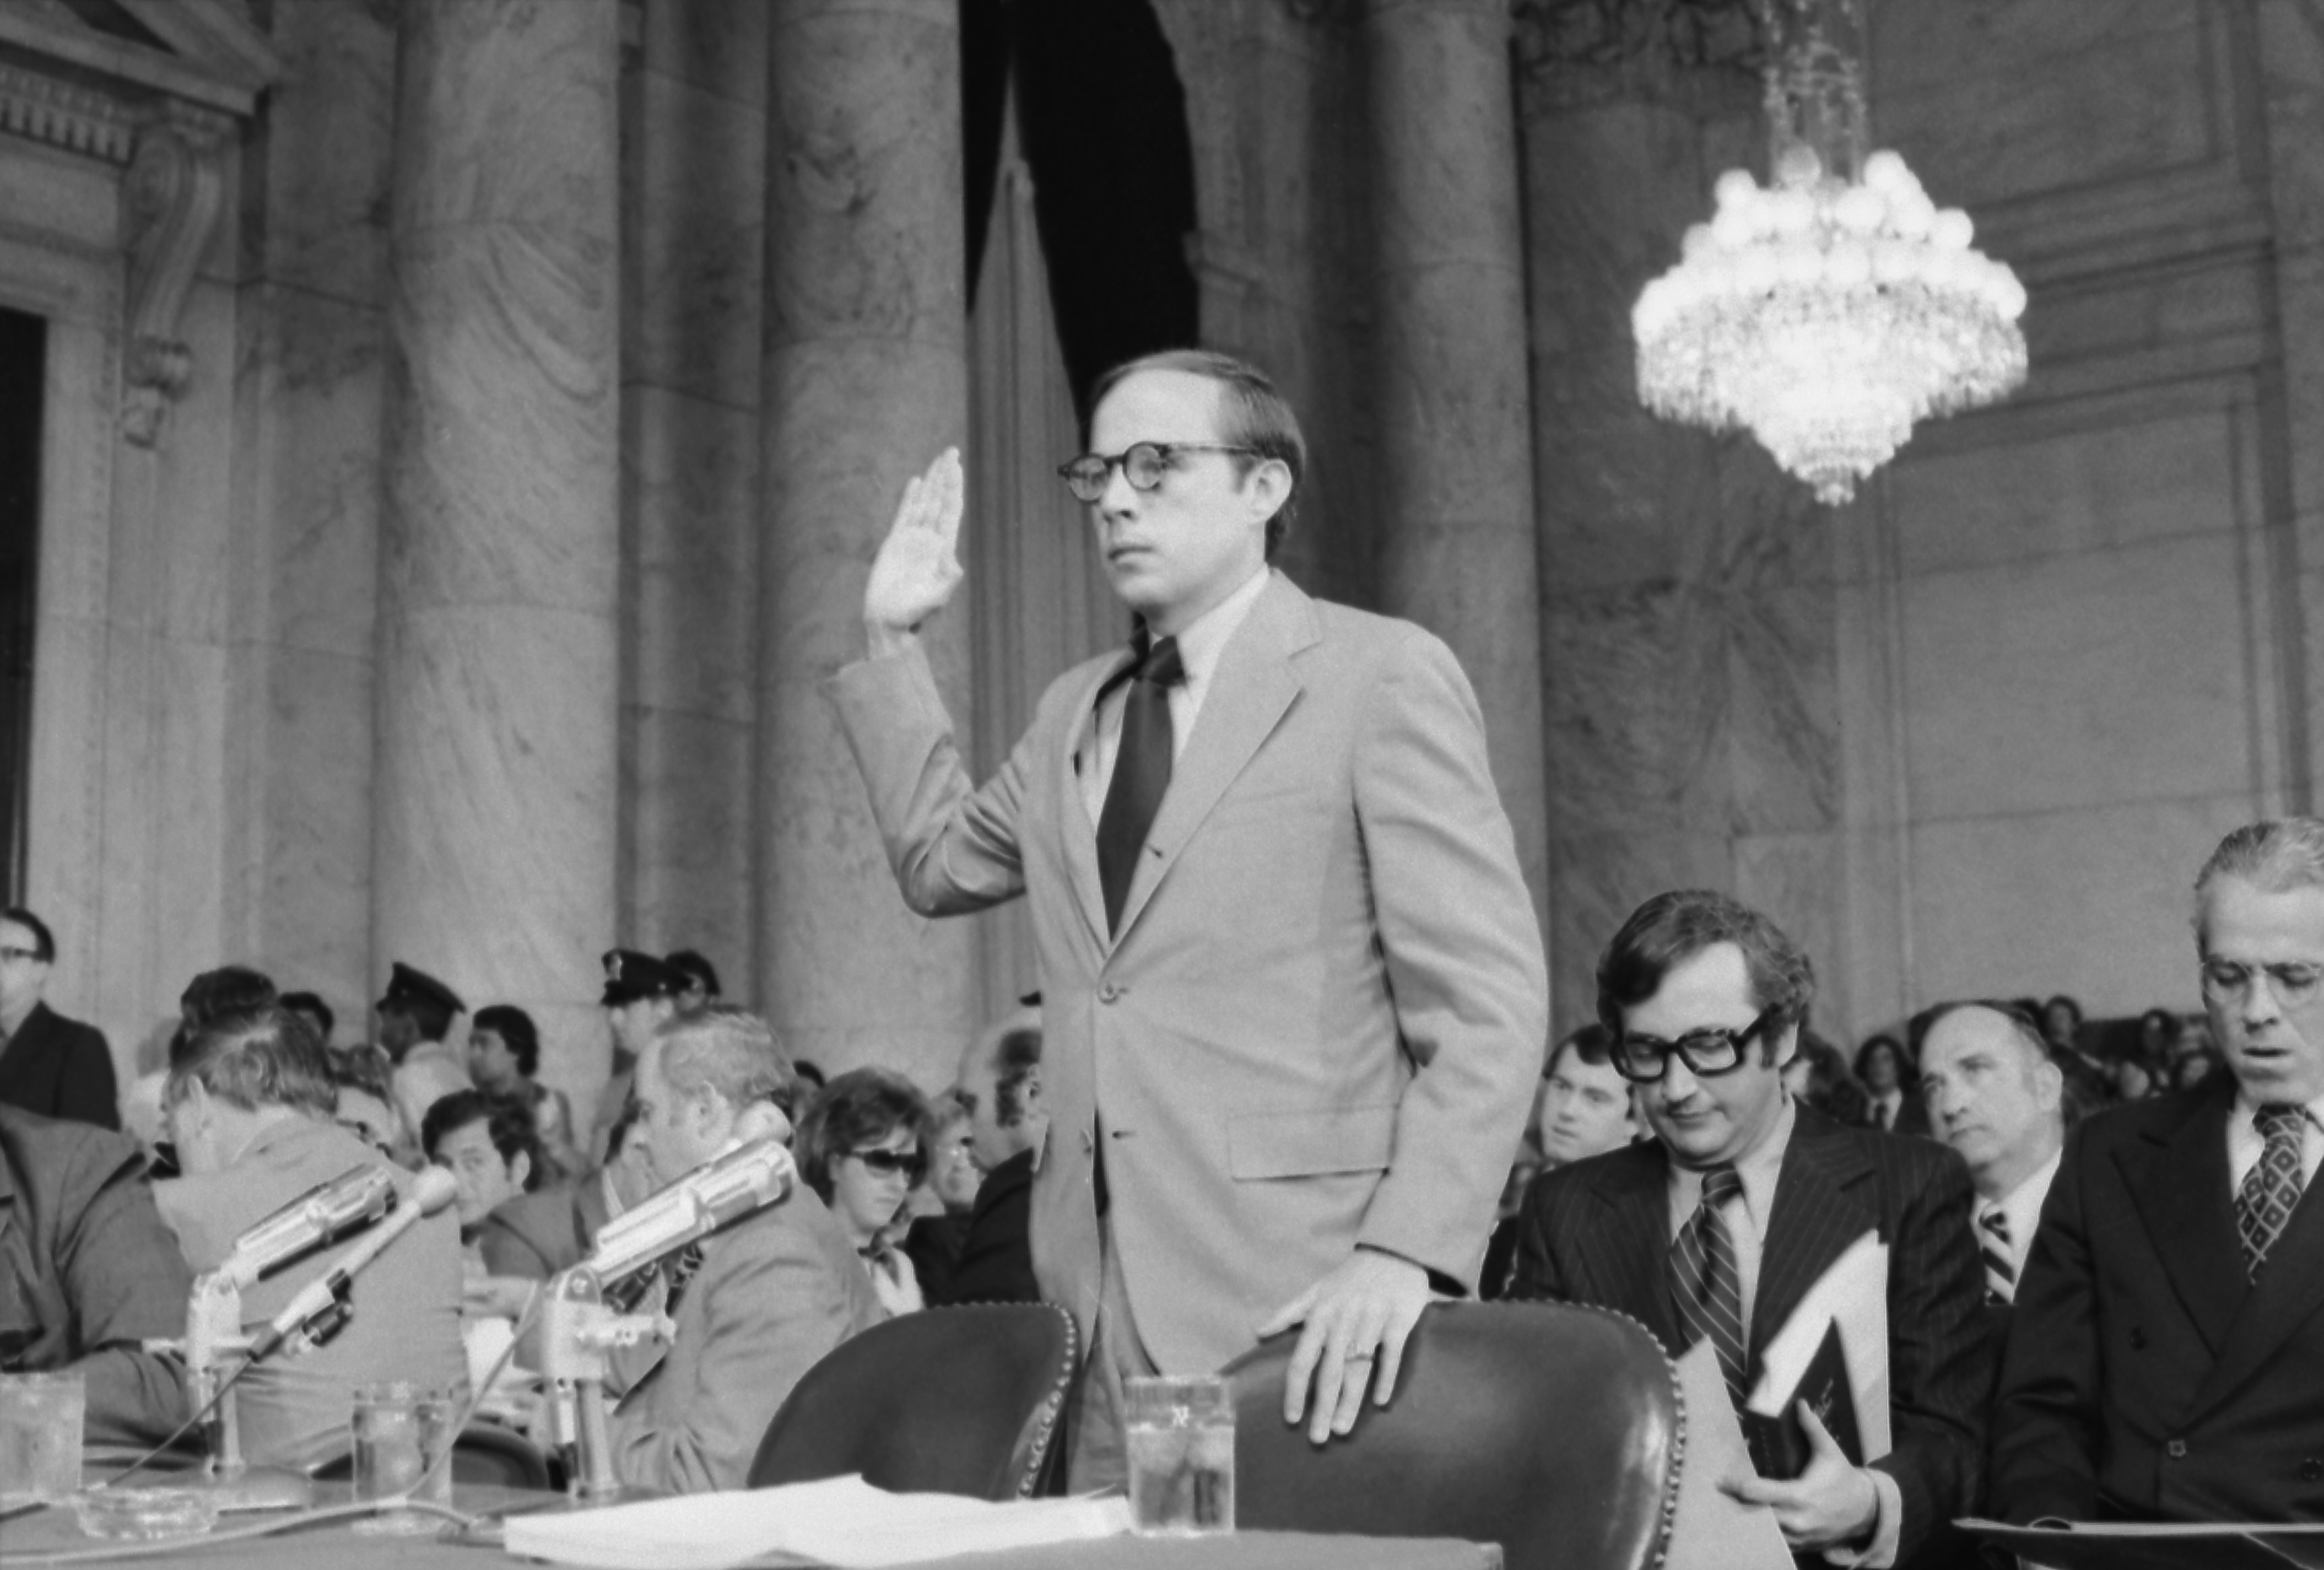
column 1707, row 1053
column 1143, row 465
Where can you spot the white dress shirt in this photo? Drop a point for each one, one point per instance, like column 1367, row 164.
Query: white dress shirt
column 1199, row 648
column 2245, row 1143
column 2021, row 1211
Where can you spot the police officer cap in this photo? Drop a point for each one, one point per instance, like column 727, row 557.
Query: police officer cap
column 631, row 976
column 407, row 983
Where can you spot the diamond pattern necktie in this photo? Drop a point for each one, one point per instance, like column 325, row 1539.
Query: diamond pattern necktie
column 1141, row 768
column 2271, row 1187
column 1993, row 1244
column 1705, row 1284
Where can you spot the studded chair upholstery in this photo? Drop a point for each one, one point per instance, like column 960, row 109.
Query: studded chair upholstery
column 947, row 1400
column 1553, row 1431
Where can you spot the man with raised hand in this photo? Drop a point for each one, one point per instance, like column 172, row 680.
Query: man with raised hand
column 1293, row 989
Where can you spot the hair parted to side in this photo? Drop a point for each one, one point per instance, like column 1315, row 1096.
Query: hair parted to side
column 859, row 1108
column 2023, row 1026
column 1593, row 1043
column 508, row 1125
column 44, row 942
column 2274, row 856
column 267, row 1056
column 516, row 1031
column 1253, row 413
column 227, row 991
column 733, row 1053
column 1674, row 927
column 1015, row 1058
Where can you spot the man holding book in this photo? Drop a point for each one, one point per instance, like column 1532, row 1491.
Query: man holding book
column 1721, row 1225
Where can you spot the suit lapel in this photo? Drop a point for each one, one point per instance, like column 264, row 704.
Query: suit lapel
column 1820, row 1208
column 1080, row 834
column 2289, row 1292
column 1625, row 1262
column 1254, row 683
column 2177, row 1183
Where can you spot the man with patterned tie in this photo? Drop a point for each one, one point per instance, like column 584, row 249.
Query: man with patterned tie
column 2166, row 1351
column 1293, row 989
column 1719, row 1226
column 1989, row 1082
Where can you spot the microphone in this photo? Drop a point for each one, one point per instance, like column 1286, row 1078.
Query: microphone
column 745, row 1179
column 326, row 1296
column 329, row 1211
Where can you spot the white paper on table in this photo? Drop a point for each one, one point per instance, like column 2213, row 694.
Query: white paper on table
column 1854, row 1295
column 843, row 1521
column 1712, row 1529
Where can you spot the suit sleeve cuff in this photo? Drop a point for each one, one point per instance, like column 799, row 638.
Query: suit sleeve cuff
column 1887, row 1528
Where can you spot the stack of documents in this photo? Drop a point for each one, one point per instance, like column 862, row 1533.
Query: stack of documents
column 842, row 1521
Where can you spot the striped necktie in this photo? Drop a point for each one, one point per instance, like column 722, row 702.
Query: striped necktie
column 2271, row 1187
column 1705, row 1284
column 1993, row 1243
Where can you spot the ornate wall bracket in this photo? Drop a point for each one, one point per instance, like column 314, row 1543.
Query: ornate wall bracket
column 171, row 195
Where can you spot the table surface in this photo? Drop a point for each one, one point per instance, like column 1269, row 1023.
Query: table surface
column 35, row 1539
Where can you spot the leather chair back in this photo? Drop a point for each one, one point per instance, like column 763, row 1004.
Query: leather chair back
column 947, row 1400
column 1553, row 1431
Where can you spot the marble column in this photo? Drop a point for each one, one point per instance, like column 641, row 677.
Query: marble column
column 493, row 847
column 1457, row 545
column 865, row 381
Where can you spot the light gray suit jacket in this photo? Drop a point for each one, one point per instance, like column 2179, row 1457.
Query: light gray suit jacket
column 1322, row 1019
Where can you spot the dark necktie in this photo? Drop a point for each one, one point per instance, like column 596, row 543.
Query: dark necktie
column 2271, row 1187
column 1993, row 1244
column 1141, row 768
column 1705, row 1283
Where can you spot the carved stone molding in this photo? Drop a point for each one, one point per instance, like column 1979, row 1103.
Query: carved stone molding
column 1575, row 52
column 61, row 115
column 171, row 193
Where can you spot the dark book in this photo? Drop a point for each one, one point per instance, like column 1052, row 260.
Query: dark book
column 1779, row 1444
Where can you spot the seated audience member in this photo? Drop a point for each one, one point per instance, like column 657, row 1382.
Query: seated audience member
column 760, row 1300
column 1583, row 1110
column 1996, row 1097
column 414, row 1017
column 488, row 1146
column 91, row 1274
column 862, row 1146
column 1817, row 1076
column 49, row 1065
column 1000, row 1084
column 364, row 1079
column 1718, row 1226
column 311, row 1008
column 2090, row 1083
column 1893, row 1104
column 932, row 1241
column 640, row 996
column 2192, row 1068
column 533, row 1236
column 2168, row 1337
column 503, row 1056
column 250, row 1106
column 701, row 985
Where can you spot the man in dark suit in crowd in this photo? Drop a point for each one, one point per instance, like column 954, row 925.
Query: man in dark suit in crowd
column 534, row 1236
column 1001, row 1082
column 1719, row 1224
column 2168, row 1342
column 1893, row 1101
column 1997, row 1098
column 55, row 1067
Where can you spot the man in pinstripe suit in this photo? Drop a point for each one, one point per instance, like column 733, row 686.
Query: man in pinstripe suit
column 1718, row 1226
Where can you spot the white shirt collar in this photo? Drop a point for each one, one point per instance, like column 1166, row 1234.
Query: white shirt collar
column 2246, row 1106
column 1206, row 637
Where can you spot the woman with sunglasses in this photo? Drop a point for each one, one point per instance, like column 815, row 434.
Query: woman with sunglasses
column 863, row 1147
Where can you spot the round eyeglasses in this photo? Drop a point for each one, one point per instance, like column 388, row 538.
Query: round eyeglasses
column 2294, row 985
column 1707, row 1053
column 1143, row 465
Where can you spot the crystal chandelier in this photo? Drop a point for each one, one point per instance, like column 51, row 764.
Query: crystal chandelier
column 1829, row 311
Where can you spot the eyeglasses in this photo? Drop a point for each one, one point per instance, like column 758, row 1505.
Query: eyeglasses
column 887, row 1163
column 1143, row 465
column 1707, row 1053
column 14, row 952
column 2294, row 985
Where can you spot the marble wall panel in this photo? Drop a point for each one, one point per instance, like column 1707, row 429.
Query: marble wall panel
column 1999, row 128
column 687, row 779
column 2072, row 682
column 317, row 217
column 2094, row 902
column 1608, row 192
column 695, row 162
column 2132, row 310
column 1635, row 685
column 1781, row 720
column 61, row 201
column 1791, row 877
column 716, row 45
column 1595, row 881
column 1928, row 46
column 1624, row 498
column 315, row 930
column 692, row 549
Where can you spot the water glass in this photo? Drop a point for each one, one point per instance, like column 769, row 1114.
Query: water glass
column 42, row 1416
column 1181, row 1442
column 399, row 1431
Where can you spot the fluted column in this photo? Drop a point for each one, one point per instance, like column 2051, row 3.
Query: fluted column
column 498, row 645
column 866, row 378
column 1457, row 545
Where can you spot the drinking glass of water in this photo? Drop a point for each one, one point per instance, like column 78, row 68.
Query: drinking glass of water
column 40, row 1419
column 1181, row 1440
column 400, row 1430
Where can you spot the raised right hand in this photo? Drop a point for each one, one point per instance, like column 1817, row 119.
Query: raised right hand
column 917, row 567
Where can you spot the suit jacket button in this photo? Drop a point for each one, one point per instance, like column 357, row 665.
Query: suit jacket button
column 1108, row 993
column 2137, row 1339
column 2311, row 1470
column 2176, row 1449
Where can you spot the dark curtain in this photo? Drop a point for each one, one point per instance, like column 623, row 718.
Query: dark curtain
column 24, row 357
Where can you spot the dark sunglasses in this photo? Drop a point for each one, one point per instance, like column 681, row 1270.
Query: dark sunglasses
column 911, row 1163
column 1707, row 1053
